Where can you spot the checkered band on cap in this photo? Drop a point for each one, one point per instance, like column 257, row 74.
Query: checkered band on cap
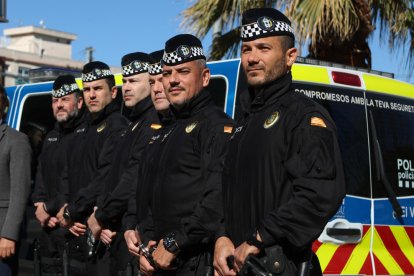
column 155, row 68
column 135, row 67
column 264, row 25
column 96, row 74
column 182, row 54
column 64, row 90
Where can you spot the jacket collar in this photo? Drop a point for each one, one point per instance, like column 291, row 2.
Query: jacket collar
column 254, row 100
column 140, row 108
column 104, row 113
column 194, row 105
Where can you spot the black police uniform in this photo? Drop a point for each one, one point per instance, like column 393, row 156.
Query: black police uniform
column 88, row 150
column 51, row 163
column 283, row 174
column 112, row 203
column 138, row 197
column 185, row 180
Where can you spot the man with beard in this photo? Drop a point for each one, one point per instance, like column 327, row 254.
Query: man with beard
column 67, row 109
column 283, row 176
column 184, row 177
column 87, row 161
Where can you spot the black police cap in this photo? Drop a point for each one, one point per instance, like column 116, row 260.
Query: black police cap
column 135, row 63
column 182, row 48
column 64, row 85
column 95, row 70
column 264, row 22
column 155, row 66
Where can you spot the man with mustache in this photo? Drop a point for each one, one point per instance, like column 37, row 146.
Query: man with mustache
column 67, row 103
column 87, row 161
column 183, row 180
column 283, row 176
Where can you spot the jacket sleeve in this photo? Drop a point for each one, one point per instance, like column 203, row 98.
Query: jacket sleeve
column 20, row 159
column 315, row 167
column 86, row 198
column 116, row 204
column 204, row 223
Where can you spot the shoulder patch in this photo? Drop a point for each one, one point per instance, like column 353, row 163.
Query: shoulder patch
column 228, row 128
column 156, row 126
column 316, row 121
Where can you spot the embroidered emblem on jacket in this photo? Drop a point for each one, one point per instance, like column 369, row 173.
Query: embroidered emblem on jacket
column 271, row 120
column 101, row 127
column 191, row 127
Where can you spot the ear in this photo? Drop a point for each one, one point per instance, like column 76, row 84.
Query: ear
column 114, row 91
column 206, row 76
column 291, row 56
column 80, row 102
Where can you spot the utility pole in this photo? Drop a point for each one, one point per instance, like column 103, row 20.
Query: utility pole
column 89, row 53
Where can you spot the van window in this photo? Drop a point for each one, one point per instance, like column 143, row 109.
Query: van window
column 346, row 107
column 394, row 123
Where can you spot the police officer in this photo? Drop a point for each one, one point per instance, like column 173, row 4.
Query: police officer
column 106, row 222
column 161, row 104
column 283, row 176
column 67, row 103
column 89, row 150
column 184, row 180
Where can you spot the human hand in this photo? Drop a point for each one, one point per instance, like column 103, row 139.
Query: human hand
column 224, row 248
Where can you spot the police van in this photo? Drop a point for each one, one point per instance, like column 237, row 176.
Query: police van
column 373, row 230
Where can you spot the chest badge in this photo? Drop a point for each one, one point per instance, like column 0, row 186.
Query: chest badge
column 101, row 127
column 191, row 127
column 271, row 120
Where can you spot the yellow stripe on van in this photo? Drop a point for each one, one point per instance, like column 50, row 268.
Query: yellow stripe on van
column 358, row 256
column 389, row 86
column 303, row 72
column 384, row 256
column 404, row 242
column 118, row 81
column 325, row 253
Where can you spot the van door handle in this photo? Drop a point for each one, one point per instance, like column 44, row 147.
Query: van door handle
column 341, row 231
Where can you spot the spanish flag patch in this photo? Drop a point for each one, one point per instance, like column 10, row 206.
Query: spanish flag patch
column 155, row 126
column 316, row 121
column 228, row 129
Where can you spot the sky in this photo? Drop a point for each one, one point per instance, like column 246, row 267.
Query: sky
column 116, row 28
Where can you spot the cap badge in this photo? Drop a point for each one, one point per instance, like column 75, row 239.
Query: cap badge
column 265, row 23
column 183, row 51
column 101, row 127
column 137, row 65
column 66, row 87
column 271, row 120
column 97, row 72
column 190, row 127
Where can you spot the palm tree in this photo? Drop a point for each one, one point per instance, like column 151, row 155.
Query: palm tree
column 334, row 30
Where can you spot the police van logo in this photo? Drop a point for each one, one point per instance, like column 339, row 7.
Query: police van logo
column 265, row 23
column 184, row 51
column 271, row 120
column 97, row 72
column 136, row 65
column 190, row 127
column 101, row 127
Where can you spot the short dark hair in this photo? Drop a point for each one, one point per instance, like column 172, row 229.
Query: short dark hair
column 110, row 80
column 287, row 42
